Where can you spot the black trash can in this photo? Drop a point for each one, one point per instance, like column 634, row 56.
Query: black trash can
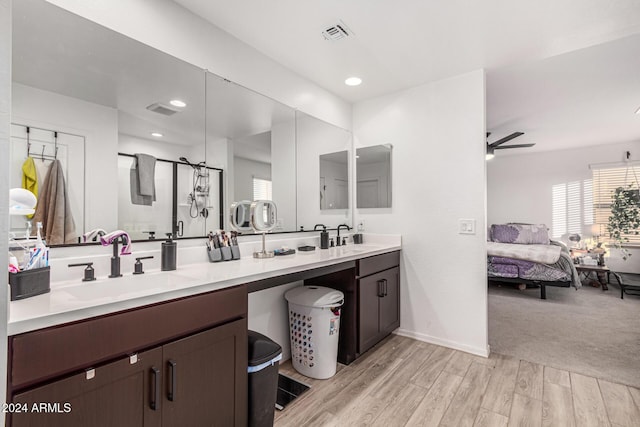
column 264, row 355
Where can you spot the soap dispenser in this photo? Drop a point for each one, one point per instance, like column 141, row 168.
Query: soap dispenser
column 324, row 238
column 168, row 254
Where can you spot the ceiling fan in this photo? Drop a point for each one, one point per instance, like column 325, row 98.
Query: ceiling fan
column 498, row 144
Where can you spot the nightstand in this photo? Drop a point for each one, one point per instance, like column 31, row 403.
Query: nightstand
column 602, row 273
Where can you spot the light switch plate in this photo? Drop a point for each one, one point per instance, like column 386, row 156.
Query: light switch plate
column 467, row 226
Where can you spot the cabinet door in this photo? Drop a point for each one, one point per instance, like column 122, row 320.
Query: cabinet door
column 121, row 393
column 390, row 302
column 205, row 378
column 369, row 294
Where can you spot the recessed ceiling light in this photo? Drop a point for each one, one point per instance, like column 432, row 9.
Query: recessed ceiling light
column 353, row 81
column 638, row 110
column 157, row 134
column 178, row 103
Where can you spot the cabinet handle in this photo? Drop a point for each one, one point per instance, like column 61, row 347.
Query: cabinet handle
column 172, row 374
column 385, row 288
column 155, row 372
column 380, row 288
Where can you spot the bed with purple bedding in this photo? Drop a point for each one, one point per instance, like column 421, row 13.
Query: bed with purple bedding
column 523, row 253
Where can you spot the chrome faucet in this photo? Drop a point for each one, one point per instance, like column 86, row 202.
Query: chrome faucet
column 339, row 227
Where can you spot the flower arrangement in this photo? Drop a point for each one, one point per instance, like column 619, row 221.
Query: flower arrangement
column 625, row 217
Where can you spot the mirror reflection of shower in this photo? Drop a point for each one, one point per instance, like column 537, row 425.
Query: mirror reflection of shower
column 199, row 195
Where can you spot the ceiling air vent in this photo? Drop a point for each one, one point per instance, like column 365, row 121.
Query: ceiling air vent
column 163, row 109
column 336, row 32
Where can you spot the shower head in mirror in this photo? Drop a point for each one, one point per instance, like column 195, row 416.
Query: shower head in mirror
column 195, row 166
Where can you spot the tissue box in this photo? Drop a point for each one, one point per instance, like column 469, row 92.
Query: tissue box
column 29, row 283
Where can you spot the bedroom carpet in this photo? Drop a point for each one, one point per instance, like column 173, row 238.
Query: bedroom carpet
column 586, row 331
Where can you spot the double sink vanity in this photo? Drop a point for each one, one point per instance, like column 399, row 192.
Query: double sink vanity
column 170, row 348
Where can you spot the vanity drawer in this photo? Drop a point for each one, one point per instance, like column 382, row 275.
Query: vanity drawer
column 373, row 264
column 41, row 355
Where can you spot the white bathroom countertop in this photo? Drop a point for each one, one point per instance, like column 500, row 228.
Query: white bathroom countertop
column 70, row 301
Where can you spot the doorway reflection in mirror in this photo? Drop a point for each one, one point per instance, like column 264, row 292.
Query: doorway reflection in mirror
column 373, row 176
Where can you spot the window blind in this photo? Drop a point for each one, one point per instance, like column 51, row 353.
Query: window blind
column 605, row 182
column 262, row 189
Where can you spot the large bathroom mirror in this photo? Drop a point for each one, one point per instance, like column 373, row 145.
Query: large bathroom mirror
column 373, row 176
column 252, row 137
column 93, row 98
column 323, row 164
column 334, row 180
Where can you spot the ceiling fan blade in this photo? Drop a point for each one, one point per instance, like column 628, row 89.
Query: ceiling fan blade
column 506, row 138
column 515, row 146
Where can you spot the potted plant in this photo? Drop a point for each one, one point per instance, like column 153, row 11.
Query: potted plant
column 625, row 217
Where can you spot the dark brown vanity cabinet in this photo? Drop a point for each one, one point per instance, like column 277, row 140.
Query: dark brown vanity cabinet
column 200, row 378
column 120, row 393
column 371, row 308
column 178, row 363
column 379, row 303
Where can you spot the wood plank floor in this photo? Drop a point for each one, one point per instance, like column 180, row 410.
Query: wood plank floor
column 403, row 382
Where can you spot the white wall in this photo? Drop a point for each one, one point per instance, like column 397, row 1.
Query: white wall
column 268, row 314
column 98, row 125
column 283, row 172
column 438, row 177
column 519, row 188
column 243, row 172
column 130, row 144
column 5, row 113
column 170, row 28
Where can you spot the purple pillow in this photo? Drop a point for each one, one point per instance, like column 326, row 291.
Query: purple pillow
column 524, row 234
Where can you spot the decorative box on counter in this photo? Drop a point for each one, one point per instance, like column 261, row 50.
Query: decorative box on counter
column 29, row 283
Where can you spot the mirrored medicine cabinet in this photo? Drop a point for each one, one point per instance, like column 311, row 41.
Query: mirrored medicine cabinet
column 373, row 176
column 93, row 98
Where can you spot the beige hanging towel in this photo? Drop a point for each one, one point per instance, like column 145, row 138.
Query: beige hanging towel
column 53, row 208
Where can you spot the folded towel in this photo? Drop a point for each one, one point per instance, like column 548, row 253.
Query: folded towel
column 54, row 209
column 108, row 239
column 146, row 169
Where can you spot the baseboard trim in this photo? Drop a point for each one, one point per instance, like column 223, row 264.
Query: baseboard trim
column 484, row 352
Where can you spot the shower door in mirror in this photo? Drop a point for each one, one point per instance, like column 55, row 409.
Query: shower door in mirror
column 373, row 176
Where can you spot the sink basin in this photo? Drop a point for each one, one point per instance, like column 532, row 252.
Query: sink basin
column 129, row 286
